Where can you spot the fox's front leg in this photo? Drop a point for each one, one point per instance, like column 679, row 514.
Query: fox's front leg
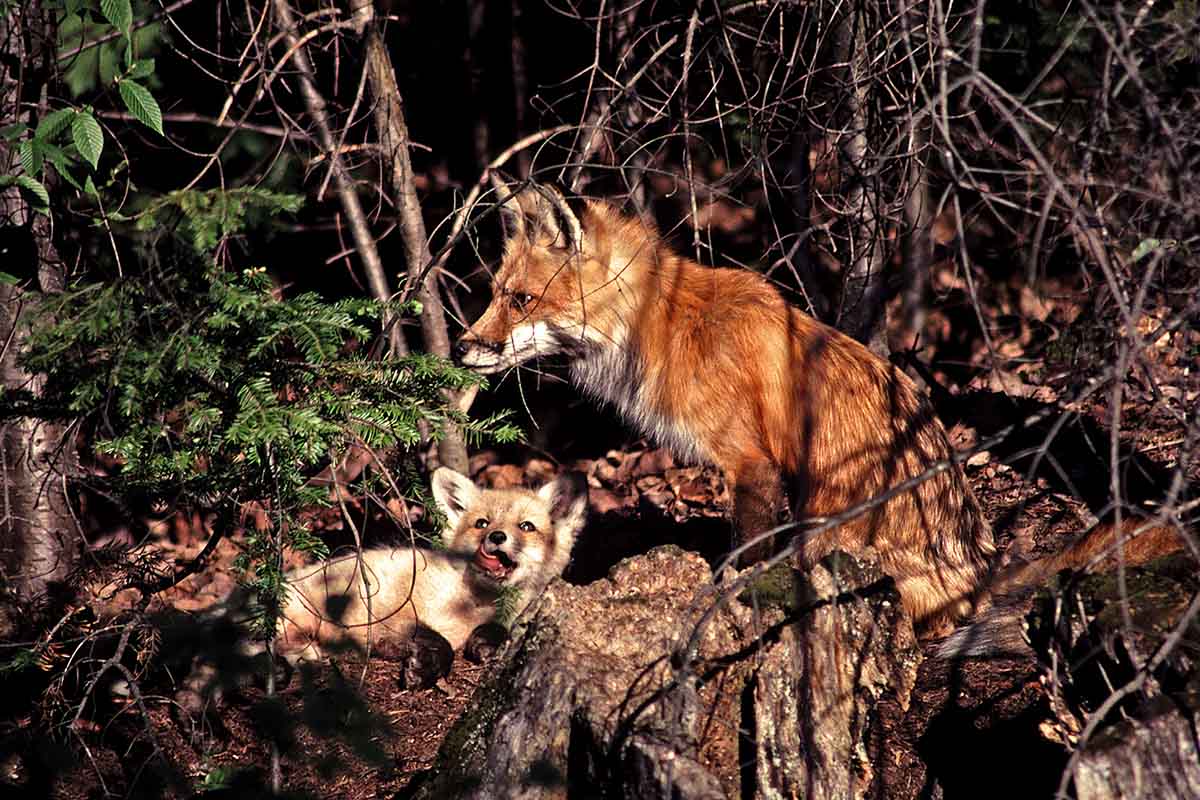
column 760, row 503
column 424, row 656
column 484, row 641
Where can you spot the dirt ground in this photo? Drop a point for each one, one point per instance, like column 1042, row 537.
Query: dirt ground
column 350, row 732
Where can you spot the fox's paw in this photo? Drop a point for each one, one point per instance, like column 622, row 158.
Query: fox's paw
column 283, row 671
column 197, row 703
column 424, row 656
column 484, row 642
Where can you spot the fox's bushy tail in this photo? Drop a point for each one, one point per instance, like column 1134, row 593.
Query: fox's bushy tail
column 998, row 627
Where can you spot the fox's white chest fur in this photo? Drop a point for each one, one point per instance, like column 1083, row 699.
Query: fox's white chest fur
column 613, row 373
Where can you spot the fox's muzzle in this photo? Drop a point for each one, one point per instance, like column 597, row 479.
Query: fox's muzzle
column 468, row 345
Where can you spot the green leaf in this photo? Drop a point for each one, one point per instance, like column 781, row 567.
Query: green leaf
column 37, row 190
column 142, row 68
column 13, row 132
column 109, row 66
column 89, row 187
column 1148, row 246
column 142, row 105
column 89, row 139
column 54, row 123
column 9, row 280
column 58, row 158
column 31, row 157
column 1144, row 248
column 119, row 13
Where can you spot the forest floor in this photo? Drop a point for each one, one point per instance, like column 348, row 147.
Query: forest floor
column 351, row 733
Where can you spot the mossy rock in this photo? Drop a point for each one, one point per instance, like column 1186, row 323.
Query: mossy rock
column 793, row 591
column 1158, row 593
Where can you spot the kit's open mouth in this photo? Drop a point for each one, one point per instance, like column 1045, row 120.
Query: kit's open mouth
column 498, row 565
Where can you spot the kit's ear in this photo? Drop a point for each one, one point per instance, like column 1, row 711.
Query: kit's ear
column 568, row 499
column 454, row 493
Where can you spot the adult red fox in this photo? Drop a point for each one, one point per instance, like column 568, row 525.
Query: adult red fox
column 717, row 366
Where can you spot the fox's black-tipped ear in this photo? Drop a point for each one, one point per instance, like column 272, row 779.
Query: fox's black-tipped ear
column 512, row 218
column 454, row 493
column 568, row 499
column 538, row 211
column 556, row 218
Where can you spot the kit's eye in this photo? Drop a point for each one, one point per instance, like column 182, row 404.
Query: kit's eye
column 481, row 523
column 520, row 300
column 527, row 526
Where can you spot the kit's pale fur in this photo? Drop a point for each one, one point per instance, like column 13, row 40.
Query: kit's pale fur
column 495, row 538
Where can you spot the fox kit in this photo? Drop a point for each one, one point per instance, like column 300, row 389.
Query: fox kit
column 718, row 367
column 415, row 605
column 496, row 539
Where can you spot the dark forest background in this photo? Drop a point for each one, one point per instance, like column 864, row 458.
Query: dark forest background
column 238, row 238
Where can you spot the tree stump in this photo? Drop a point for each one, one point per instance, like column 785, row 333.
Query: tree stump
column 1146, row 745
column 595, row 694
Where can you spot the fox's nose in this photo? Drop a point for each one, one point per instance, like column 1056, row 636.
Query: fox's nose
column 460, row 349
column 497, row 537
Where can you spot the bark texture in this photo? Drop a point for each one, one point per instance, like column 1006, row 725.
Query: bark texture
column 1133, row 691
column 815, row 695
column 37, row 531
column 37, row 534
column 863, row 287
column 1154, row 757
column 593, row 696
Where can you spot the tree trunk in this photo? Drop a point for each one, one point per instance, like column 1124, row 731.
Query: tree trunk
column 1156, row 756
column 1131, row 693
column 37, row 530
column 918, row 239
column 595, row 696
column 37, row 533
column 360, row 231
column 393, row 138
column 520, row 85
column 862, row 306
column 473, row 57
column 919, row 201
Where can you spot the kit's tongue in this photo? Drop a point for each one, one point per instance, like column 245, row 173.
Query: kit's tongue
column 490, row 563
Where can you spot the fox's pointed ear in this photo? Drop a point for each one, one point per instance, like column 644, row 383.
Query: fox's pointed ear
column 538, row 211
column 454, row 493
column 568, row 499
column 512, row 217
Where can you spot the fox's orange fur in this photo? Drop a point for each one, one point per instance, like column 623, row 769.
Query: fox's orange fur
column 716, row 365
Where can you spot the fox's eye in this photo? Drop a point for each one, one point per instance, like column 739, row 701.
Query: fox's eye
column 481, row 523
column 527, row 526
column 520, row 300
